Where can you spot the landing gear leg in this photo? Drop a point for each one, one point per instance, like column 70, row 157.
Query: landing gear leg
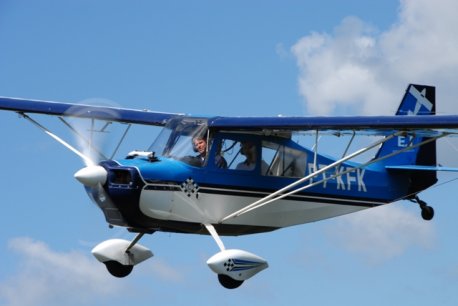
column 427, row 212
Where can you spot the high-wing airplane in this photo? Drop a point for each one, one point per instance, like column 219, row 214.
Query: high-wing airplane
column 229, row 176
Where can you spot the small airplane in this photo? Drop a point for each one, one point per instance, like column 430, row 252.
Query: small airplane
column 230, row 176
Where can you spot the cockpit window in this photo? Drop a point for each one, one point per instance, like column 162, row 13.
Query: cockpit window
column 178, row 138
column 230, row 149
column 242, row 154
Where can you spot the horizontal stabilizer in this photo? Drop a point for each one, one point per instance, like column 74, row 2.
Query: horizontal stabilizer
column 421, row 168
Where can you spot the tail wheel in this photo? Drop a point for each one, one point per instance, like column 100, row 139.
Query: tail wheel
column 427, row 213
column 228, row 282
column 118, row 270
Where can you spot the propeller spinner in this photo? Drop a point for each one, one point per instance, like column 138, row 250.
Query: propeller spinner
column 91, row 176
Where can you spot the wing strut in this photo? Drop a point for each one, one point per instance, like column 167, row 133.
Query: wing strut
column 315, row 149
column 279, row 194
column 349, row 144
column 86, row 159
column 120, row 141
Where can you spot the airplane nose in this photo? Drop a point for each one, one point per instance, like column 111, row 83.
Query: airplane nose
column 91, row 176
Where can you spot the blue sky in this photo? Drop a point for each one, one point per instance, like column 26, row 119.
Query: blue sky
column 211, row 57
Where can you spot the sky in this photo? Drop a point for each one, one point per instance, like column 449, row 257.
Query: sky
column 237, row 58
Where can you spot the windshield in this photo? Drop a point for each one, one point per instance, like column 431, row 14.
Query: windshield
column 177, row 139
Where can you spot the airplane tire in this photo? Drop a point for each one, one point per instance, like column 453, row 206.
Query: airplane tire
column 228, row 282
column 427, row 213
column 118, row 270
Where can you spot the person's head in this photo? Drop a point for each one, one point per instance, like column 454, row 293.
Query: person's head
column 248, row 149
column 200, row 145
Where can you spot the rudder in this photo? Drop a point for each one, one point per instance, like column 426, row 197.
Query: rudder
column 418, row 100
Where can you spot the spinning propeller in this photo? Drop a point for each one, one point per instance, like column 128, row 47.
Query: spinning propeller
column 89, row 176
column 89, row 140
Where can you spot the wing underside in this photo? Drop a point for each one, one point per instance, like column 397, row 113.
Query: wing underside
column 113, row 114
column 425, row 125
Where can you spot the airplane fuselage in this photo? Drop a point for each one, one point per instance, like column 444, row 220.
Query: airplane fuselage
column 167, row 194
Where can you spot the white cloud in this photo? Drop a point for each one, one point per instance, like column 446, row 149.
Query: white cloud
column 72, row 278
column 359, row 70
column 382, row 233
column 46, row 277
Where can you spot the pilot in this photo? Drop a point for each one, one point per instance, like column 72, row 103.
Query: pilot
column 200, row 146
column 248, row 149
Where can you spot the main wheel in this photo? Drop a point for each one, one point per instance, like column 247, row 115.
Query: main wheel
column 427, row 212
column 228, row 282
column 118, row 270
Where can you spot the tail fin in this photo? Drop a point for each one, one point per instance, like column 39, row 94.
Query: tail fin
column 418, row 100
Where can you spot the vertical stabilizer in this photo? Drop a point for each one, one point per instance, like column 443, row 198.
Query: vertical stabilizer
column 418, row 100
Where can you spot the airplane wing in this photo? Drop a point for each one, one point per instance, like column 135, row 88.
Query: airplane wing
column 86, row 111
column 379, row 125
column 25, row 107
column 376, row 125
column 418, row 100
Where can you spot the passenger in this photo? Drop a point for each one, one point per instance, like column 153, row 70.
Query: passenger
column 220, row 162
column 248, row 149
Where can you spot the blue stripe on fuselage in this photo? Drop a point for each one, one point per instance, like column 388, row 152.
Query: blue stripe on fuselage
column 368, row 184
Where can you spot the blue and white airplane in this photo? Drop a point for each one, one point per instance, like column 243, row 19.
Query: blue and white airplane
column 229, row 176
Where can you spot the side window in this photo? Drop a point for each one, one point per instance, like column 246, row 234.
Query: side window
column 230, row 150
column 241, row 154
column 282, row 160
column 269, row 152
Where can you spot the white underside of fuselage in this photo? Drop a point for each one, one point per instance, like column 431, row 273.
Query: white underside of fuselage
column 211, row 205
